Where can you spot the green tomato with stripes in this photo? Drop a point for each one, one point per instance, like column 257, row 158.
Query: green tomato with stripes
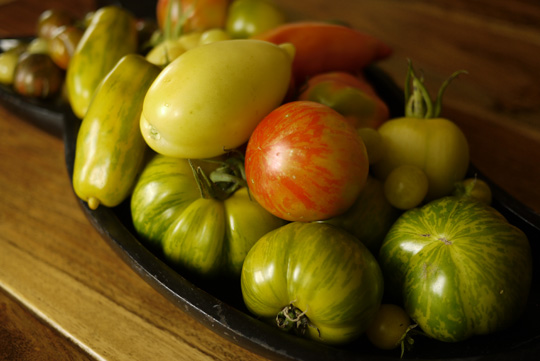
column 200, row 227
column 313, row 279
column 461, row 269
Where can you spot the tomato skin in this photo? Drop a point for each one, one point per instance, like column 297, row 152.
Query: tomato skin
column 474, row 188
column 247, row 18
column 36, row 75
column 110, row 151
column 435, row 145
column 350, row 95
column 370, row 217
column 323, row 271
column 389, row 327
column 459, row 266
column 111, row 28
column 209, row 100
column 305, row 162
column 322, row 47
column 50, row 21
column 204, row 236
column 203, row 14
column 63, row 44
column 8, row 63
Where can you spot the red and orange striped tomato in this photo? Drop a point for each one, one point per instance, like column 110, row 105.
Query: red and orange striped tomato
column 461, row 268
column 305, row 162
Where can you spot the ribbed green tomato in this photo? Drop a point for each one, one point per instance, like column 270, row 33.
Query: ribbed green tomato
column 204, row 236
column 461, row 268
column 210, row 99
column 313, row 278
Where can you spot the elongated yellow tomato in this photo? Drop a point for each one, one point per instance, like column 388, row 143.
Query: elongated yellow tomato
column 110, row 150
column 211, row 98
column 112, row 33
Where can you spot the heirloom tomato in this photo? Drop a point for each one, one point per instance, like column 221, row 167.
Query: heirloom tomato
column 36, row 75
column 247, row 18
column 209, row 100
column 111, row 27
column 205, row 235
column 460, row 267
column 305, row 162
column 50, row 21
column 314, row 279
column 63, row 44
column 350, row 95
column 422, row 138
column 8, row 63
column 110, row 150
column 474, row 188
column 391, row 328
column 370, row 216
column 406, row 186
column 175, row 17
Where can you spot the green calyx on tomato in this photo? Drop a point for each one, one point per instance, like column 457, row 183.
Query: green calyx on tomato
column 422, row 138
column 223, row 181
column 291, row 318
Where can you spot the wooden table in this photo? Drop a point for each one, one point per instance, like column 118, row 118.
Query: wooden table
column 64, row 293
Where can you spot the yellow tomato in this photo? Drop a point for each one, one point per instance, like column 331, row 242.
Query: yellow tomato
column 424, row 139
column 210, row 99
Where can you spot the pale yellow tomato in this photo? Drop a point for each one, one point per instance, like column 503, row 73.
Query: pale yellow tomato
column 210, row 99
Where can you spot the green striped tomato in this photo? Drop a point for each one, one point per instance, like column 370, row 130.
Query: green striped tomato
column 463, row 270
column 111, row 34
column 314, row 278
column 110, row 149
column 204, row 236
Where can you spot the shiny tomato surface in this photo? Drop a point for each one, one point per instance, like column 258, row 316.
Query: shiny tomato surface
column 305, row 162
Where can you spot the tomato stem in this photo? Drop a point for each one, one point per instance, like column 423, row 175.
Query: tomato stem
column 418, row 103
column 204, row 184
column 172, row 31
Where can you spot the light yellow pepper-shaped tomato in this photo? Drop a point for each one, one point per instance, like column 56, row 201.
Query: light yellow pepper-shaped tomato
column 210, row 99
column 423, row 139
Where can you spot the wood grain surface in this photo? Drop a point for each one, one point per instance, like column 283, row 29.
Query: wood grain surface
column 64, row 293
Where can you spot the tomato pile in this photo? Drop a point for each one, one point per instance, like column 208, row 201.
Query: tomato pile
column 254, row 150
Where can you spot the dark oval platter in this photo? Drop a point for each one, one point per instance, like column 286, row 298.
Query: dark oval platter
column 223, row 312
